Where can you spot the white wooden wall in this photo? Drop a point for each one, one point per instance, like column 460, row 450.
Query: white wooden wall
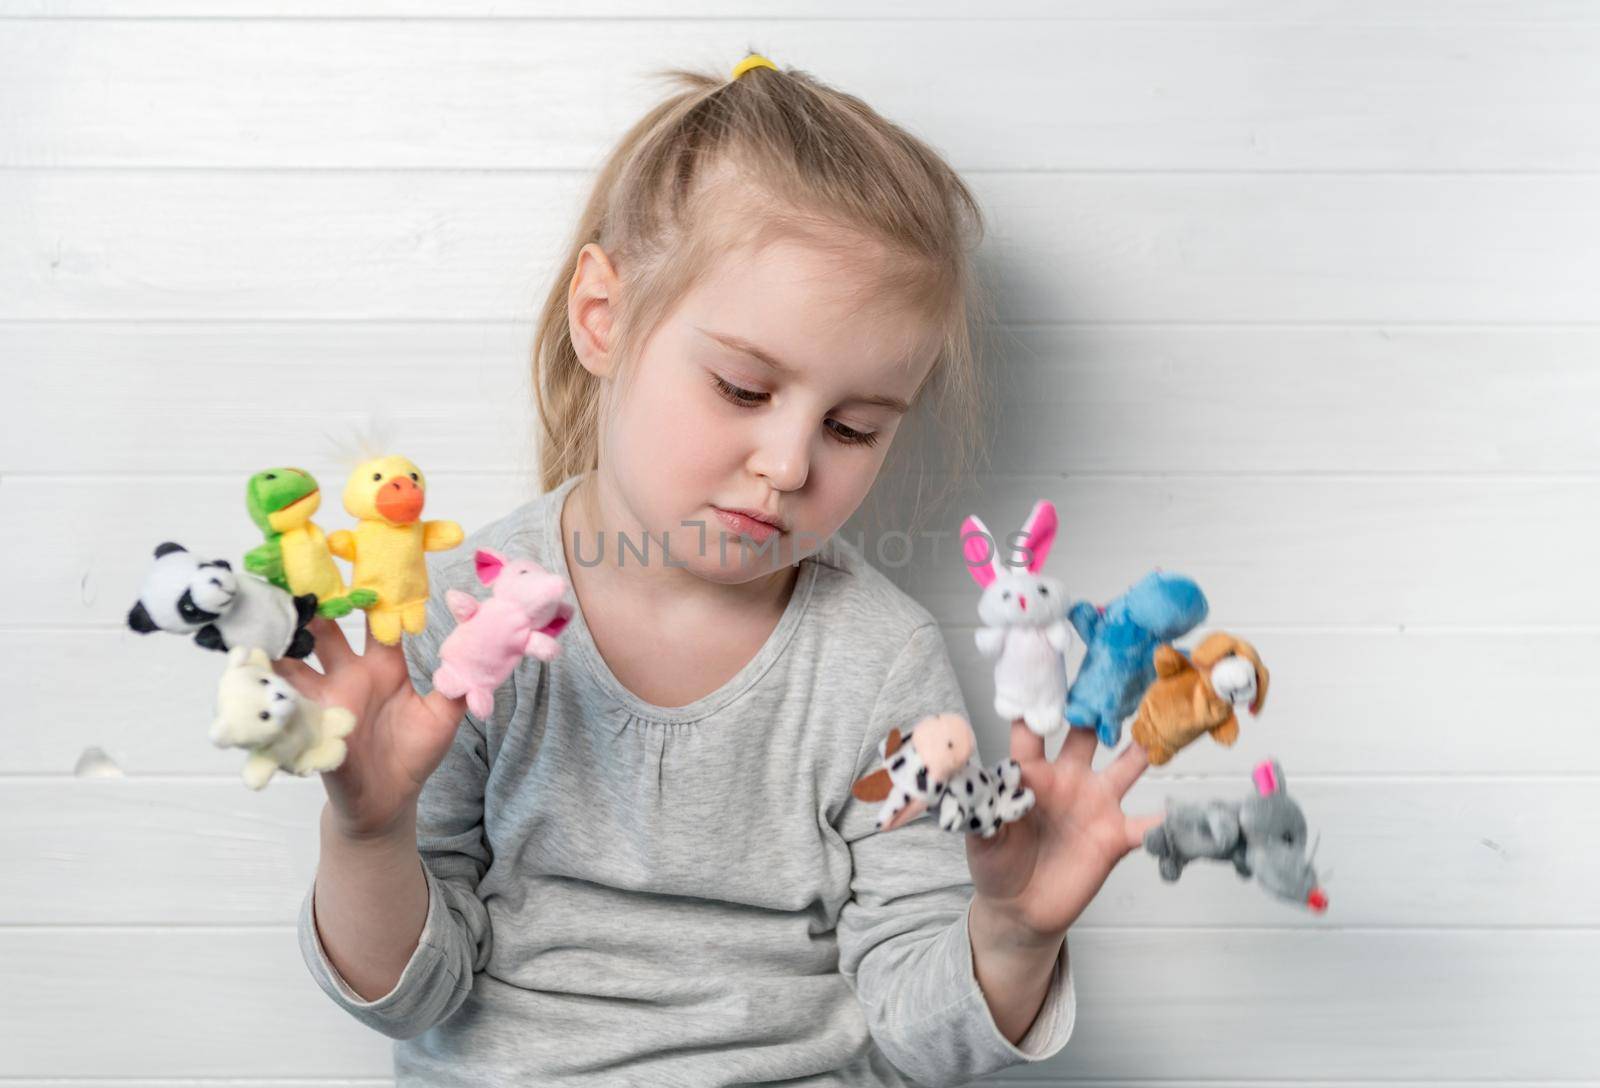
column 1303, row 304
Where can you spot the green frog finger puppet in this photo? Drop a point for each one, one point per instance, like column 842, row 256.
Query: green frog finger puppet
column 295, row 555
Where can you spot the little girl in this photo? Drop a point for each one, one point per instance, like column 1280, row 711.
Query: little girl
column 646, row 865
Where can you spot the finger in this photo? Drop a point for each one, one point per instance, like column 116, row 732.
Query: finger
column 446, row 710
column 1026, row 745
column 376, row 649
column 306, row 680
column 1125, row 770
column 1078, row 747
column 332, row 648
column 1137, row 827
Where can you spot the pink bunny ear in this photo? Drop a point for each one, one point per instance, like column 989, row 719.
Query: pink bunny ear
column 1266, row 777
column 489, row 564
column 979, row 550
column 1039, row 533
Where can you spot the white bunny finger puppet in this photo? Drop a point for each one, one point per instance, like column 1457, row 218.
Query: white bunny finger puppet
column 259, row 710
column 935, row 763
column 1025, row 627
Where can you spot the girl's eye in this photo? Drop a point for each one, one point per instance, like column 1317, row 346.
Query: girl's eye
column 735, row 394
column 851, row 437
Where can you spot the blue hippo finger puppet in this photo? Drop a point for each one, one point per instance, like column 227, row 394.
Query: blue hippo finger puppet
column 1264, row 836
column 1122, row 637
column 223, row 609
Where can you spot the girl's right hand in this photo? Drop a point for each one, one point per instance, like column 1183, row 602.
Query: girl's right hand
column 400, row 736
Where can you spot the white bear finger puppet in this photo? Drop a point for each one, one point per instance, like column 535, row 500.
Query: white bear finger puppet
column 259, row 710
column 935, row 763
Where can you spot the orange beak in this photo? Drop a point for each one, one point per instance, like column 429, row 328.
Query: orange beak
column 400, row 500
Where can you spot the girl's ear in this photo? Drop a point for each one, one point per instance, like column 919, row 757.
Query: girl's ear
column 1039, row 533
column 591, row 297
column 489, row 564
column 979, row 550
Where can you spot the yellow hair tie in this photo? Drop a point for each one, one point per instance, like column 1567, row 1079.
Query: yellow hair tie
column 754, row 60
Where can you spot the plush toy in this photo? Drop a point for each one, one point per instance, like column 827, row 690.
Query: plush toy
column 259, row 710
column 295, row 556
column 935, row 762
column 1264, row 837
column 385, row 496
column 1198, row 695
column 184, row 595
column 522, row 617
column 1122, row 638
column 1023, row 626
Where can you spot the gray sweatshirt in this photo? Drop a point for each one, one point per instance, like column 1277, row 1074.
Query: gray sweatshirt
column 622, row 893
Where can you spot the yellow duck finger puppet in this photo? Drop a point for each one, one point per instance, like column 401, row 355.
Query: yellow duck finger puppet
column 385, row 496
column 1196, row 694
column 295, row 555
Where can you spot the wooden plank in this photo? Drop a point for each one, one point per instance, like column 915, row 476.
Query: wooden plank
column 1314, row 552
column 1090, row 247
column 1335, row 12
column 1392, row 851
column 1384, row 1005
column 91, row 397
column 1343, row 702
column 1060, row 95
column 1210, row 399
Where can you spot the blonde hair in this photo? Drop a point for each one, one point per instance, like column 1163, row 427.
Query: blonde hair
column 818, row 158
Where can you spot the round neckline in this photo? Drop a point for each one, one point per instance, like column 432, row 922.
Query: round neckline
column 578, row 640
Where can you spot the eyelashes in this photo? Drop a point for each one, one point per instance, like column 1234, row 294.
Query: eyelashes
column 748, row 398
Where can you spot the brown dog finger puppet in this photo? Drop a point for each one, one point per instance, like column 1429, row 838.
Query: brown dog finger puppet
column 385, row 495
column 295, row 554
column 934, row 764
column 1264, row 837
column 221, row 608
column 260, row 711
column 1197, row 694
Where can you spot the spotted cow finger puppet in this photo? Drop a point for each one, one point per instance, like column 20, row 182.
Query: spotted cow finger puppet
column 261, row 712
column 385, row 495
column 934, row 765
column 1024, row 626
column 526, row 610
column 295, row 556
column 1119, row 665
column 1198, row 694
column 1264, row 837
column 223, row 609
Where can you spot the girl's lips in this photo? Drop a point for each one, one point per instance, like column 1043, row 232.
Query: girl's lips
column 746, row 526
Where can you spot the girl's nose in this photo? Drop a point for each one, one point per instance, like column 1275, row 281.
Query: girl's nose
column 783, row 455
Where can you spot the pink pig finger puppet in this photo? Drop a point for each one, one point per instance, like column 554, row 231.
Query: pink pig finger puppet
column 522, row 617
column 935, row 763
column 1024, row 615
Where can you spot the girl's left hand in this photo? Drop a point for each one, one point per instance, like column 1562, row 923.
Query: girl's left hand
column 1042, row 870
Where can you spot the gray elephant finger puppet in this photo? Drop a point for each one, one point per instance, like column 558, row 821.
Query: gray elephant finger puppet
column 1264, row 836
column 260, row 711
column 222, row 608
column 934, row 765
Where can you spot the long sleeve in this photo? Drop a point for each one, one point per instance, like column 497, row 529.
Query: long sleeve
column 456, row 939
column 903, row 936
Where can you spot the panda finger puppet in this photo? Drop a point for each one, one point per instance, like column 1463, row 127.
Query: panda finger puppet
column 222, row 608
